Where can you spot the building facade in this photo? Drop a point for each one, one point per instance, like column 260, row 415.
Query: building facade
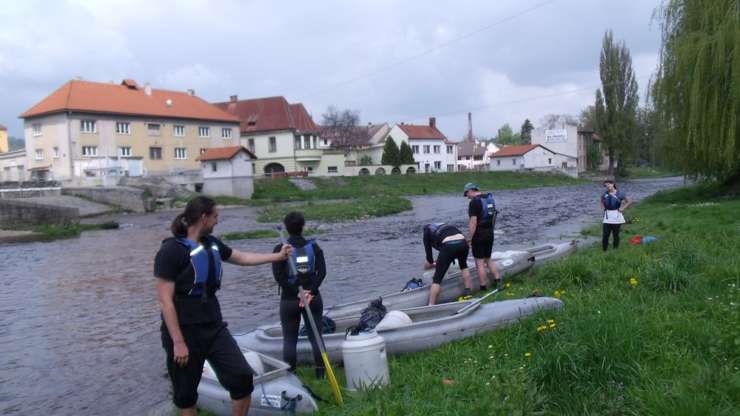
column 474, row 154
column 562, row 134
column 532, row 157
column 4, row 143
column 90, row 129
column 228, row 171
column 431, row 149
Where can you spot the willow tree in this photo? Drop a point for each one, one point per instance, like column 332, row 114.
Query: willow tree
column 697, row 88
column 616, row 102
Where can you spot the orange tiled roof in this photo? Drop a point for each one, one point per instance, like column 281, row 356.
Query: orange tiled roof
column 126, row 98
column 223, row 153
column 3, row 128
column 515, row 150
column 269, row 114
column 422, row 132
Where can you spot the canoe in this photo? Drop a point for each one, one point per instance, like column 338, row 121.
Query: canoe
column 553, row 251
column 276, row 391
column 452, row 287
column 431, row 326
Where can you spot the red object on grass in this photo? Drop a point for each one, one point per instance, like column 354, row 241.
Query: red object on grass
column 636, row 240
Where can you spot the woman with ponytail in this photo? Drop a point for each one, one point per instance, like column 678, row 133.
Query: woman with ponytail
column 188, row 270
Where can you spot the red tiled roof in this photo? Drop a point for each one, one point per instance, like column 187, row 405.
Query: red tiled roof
column 515, row 150
column 3, row 128
column 269, row 114
column 470, row 148
column 422, row 132
column 126, row 98
column 223, row 153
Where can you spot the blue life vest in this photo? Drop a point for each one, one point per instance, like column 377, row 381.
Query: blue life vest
column 488, row 211
column 304, row 259
column 206, row 263
column 611, row 202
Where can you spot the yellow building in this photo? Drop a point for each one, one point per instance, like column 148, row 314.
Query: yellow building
column 88, row 129
column 4, row 145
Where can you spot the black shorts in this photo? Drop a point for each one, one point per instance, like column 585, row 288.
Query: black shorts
column 482, row 248
column 214, row 343
column 452, row 250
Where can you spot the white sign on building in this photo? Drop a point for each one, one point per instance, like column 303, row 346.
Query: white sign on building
column 556, row 136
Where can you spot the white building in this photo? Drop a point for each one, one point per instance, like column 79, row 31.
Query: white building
column 13, row 166
column 561, row 134
column 431, row 149
column 533, row 157
column 228, row 171
column 474, row 154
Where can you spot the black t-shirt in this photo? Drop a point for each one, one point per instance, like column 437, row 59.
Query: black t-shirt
column 434, row 240
column 475, row 209
column 172, row 262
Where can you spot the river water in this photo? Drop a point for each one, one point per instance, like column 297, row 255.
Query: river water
column 79, row 321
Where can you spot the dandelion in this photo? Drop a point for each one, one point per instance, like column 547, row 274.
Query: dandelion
column 528, row 354
column 490, row 346
column 541, row 328
column 633, row 281
column 552, row 325
column 550, row 321
column 507, row 285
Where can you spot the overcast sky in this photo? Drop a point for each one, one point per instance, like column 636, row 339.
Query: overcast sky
column 392, row 61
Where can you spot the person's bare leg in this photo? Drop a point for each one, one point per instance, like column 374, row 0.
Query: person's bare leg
column 480, row 266
column 434, row 293
column 240, row 407
column 190, row 411
column 467, row 281
column 494, row 270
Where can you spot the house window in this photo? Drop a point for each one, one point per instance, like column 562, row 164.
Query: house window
column 306, row 142
column 450, row 168
column 214, row 167
column 437, row 165
column 226, row 133
column 513, row 162
column 415, row 149
column 155, row 153
column 498, row 163
column 549, row 161
column 89, row 150
column 332, row 169
column 178, row 130
column 39, row 154
column 426, row 148
column 326, row 142
column 153, row 129
column 204, row 131
column 124, row 151
column 436, row 148
column 88, row 126
column 122, row 127
column 298, row 143
column 272, row 145
column 467, row 157
column 250, row 144
column 449, row 149
column 181, row 153
column 477, row 157
column 36, row 129
column 56, row 152
column 315, row 140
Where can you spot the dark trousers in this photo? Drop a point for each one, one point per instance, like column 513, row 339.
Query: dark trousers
column 290, row 320
column 214, row 343
column 610, row 229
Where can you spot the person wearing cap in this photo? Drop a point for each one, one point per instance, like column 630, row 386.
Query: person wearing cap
column 482, row 218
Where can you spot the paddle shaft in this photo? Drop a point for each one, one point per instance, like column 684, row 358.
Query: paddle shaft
column 477, row 301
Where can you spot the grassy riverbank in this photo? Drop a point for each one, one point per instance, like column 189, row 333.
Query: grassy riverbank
column 648, row 329
column 279, row 190
column 361, row 208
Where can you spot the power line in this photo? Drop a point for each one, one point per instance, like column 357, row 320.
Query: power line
column 430, row 50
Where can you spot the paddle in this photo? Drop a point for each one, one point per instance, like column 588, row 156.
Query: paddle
column 476, row 302
column 319, row 340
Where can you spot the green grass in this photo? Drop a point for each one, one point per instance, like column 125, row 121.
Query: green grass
column 56, row 232
column 279, row 190
column 649, row 172
column 361, row 208
column 667, row 345
column 244, row 235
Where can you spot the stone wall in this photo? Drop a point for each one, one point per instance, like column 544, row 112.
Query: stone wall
column 29, row 192
column 130, row 199
column 14, row 214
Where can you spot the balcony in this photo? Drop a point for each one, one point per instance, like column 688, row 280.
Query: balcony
column 308, row 155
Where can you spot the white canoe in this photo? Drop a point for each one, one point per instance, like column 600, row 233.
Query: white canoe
column 276, row 391
column 553, row 251
column 431, row 326
column 451, row 287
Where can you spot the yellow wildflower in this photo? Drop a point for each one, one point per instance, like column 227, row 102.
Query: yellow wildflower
column 541, row 328
column 552, row 325
column 507, row 285
column 528, row 354
column 557, row 294
column 550, row 321
column 633, row 281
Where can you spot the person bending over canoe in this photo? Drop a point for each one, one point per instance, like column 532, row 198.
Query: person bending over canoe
column 614, row 203
column 311, row 267
column 481, row 221
column 451, row 244
column 188, row 272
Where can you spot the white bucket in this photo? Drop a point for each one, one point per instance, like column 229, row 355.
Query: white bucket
column 394, row 320
column 365, row 361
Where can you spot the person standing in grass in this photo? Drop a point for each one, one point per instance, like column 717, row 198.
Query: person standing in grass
column 451, row 244
column 614, row 202
column 188, row 270
column 311, row 268
column 482, row 219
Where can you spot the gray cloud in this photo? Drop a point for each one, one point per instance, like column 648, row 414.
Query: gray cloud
column 519, row 68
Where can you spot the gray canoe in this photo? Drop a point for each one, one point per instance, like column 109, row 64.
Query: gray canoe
column 553, row 251
column 276, row 391
column 431, row 326
column 452, row 287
